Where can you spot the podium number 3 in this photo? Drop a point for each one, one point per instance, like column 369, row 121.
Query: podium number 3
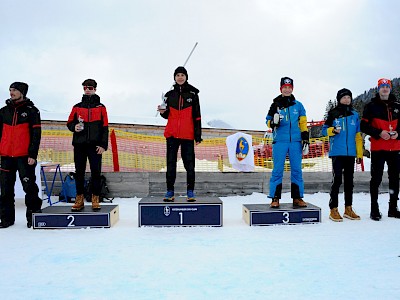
column 286, row 217
column 71, row 223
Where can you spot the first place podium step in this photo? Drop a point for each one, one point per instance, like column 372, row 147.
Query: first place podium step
column 61, row 216
column 207, row 211
column 262, row 214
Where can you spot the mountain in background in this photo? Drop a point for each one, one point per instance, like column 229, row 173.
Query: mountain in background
column 219, row 124
column 360, row 101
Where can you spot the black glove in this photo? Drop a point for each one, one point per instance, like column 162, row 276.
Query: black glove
column 305, row 137
column 305, row 142
column 275, row 121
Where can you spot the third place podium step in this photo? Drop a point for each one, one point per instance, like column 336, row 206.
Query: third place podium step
column 262, row 214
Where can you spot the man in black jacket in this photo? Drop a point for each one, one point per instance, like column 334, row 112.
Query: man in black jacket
column 88, row 121
column 183, row 130
column 381, row 120
column 20, row 134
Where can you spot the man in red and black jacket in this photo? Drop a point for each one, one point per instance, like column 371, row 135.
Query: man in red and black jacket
column 20, row 134
column 381, row 121
column 183, row 129
column 88, row 121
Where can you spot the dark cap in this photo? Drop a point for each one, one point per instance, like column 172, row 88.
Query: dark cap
column 343, row 92
column 20, row 86
column 181, row 70
column 90, row 82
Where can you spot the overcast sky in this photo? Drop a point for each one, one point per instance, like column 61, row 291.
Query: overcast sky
column 132, row 47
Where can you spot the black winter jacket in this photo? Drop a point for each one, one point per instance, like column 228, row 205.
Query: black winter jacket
column 183, row 113
column 20, row 129
column 95, row 120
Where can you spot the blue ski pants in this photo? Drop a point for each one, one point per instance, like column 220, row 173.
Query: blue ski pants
column 279, row 152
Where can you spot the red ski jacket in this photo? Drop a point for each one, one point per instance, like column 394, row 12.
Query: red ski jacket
column 183, row 113
column 382, row 115
column 95, row 120
column 20, row 129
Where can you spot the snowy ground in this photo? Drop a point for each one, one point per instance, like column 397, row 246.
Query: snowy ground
column 349, row 260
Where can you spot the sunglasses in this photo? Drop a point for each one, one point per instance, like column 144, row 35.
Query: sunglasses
column 88, row 87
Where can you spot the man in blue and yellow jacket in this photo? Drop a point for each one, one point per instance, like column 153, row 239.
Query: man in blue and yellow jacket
column 287, row 118
column 345, row 144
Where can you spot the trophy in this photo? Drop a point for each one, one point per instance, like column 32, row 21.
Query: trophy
column 391, row 132
column 338, row 127
column 163, row 104
column 278, row 117
column 80, row 124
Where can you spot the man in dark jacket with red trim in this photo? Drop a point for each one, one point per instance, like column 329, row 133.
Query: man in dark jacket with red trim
column 381, row 121
column 88, row 121
column 183, row 129
column 20, row 134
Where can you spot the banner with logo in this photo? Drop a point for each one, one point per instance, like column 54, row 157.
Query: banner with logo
column 240, row 151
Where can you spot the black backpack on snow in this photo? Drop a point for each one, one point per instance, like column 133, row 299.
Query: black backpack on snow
column 104, row 191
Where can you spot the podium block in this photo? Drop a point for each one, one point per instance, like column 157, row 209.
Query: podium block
column 61, row 216
column 204, row 212
column 262, row 214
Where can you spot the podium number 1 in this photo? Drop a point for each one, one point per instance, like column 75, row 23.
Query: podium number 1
column 181, row 217
column 286, row 217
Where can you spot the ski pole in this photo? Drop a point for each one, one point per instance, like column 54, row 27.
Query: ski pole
column 190, row 54
column 163, row 104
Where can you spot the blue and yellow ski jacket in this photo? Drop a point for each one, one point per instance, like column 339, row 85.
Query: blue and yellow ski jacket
column 293, row 119
column 348, row 142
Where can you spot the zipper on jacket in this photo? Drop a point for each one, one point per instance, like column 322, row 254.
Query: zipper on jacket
column 347, row 132
column 180, row 104
column 13, row 124
column 88, row 131
column 389, row 118
column 389, row 115
column 290, row 123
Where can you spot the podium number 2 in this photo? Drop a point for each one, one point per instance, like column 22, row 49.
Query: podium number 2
column 181, row 217
column 71, row 223
column 286, row 217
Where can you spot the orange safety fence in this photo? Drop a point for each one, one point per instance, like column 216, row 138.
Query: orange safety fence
column 133, row 152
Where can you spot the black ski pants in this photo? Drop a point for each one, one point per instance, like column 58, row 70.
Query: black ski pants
column 188, row 157
column 8, row 176
column 82, row 153
column 378, row 159
column 342, row 166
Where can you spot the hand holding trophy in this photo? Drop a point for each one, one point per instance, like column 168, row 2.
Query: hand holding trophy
column 163, row 106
